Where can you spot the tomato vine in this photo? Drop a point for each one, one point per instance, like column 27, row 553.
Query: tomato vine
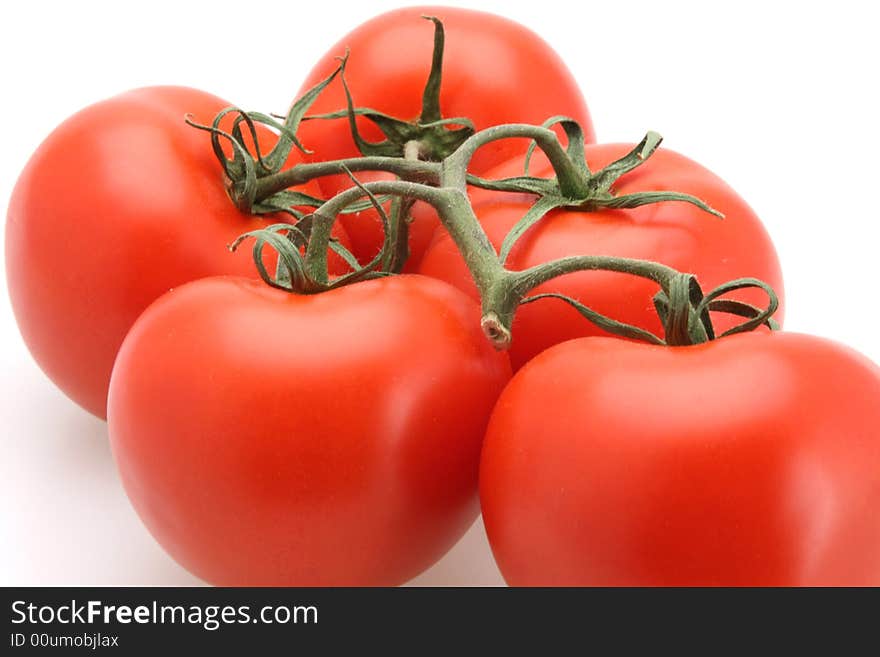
column 434, row 169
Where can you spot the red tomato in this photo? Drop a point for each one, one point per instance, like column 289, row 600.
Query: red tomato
column 673, row 233
column 494, row 71
column 267, row 438
column 122, row 202
column 750, row 460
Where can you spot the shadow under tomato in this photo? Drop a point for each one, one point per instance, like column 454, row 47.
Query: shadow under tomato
column 63, row 504
column 468, row 563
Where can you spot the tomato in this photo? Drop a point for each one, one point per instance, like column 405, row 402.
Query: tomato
column 494, row 71
column 119, row 204
column 673, row 233
column 750, row 460
column 268, row 438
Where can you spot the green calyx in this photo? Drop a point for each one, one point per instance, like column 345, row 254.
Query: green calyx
column 302, row 250
column 683, row 309
column 430, row 137
column 583, row 189
column 244, row 169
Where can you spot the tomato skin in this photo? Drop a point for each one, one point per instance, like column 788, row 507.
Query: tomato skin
column 673, row 233
column 494, row 71
column 751, row 460
column 122, row 202
column 268, row 438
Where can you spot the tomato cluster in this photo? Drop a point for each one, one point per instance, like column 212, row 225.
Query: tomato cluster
column 343, row 420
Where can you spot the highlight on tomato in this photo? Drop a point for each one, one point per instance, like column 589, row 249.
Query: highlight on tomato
column 485, row 70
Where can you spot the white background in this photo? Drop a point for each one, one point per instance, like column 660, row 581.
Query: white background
column 780, row 99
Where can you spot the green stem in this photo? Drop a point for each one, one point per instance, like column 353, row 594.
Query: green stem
column 431, row 93
column 684, row 315
column 398, row 234
column 508, row 293
column 415, row 170
column 397, row 238
column 451, row 204
column 683, row 309
column 573, row 181
column 501, row 290
column 528, row 279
